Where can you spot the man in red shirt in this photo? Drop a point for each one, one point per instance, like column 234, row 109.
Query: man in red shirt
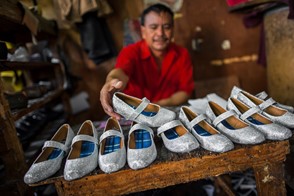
column 153, row 68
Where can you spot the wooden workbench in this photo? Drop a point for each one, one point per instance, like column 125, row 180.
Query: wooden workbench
column 169, row 168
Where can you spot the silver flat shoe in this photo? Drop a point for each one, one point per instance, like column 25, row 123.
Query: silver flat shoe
column 83, row 156
column 141, row 147
column 209, row 138
column 267, row 107
column 229, row 124
column 141, row 111
column 264, row 96
column 112, row 152
column 176, row 137
column 252, row 116
column 50, row 159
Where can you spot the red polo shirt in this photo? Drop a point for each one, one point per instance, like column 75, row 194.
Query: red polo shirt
column 145, row 80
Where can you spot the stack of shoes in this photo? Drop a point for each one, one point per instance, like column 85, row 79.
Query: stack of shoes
column 259, row 113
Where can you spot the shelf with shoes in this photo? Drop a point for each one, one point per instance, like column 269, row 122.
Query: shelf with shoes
column 40, row 93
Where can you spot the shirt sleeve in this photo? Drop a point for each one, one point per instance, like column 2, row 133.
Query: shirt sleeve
column 187, row 80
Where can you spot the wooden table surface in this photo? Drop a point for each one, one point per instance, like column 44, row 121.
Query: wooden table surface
column 169, row 168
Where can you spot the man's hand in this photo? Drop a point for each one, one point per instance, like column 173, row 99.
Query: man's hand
column 106, row 94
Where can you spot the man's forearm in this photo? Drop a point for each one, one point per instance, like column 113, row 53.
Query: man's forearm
column 176, row 99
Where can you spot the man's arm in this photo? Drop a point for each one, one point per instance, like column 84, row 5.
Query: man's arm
column 116, row 80
column 176, row 99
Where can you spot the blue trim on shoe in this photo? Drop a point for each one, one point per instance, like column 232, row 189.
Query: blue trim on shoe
column 227, row 125
column 171, row 134
column 55, row 153
column 87, row 148
column 200, row 131
column 112, row 144
column 142, row 139
column 254, row 121
column 149, row 114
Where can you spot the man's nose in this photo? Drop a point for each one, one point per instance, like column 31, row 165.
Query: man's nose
column 160, row 31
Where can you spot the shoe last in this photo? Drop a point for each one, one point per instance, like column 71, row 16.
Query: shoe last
column 267, row 107
column 252, row 116
column 141, row 147
column 141, row 111
column 228, row 123
column 209, row 138
column 82, row 158
column 176, row 137
column 264, row 96
column 112, row 152
column 50, row 159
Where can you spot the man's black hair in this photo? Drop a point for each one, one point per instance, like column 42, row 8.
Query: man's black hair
column 157, row 8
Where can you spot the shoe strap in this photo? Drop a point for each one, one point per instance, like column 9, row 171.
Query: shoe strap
column 54, row 144
column 266, row 104
column 168, row 126
column 110, row 132
column 249, row 112
column 223, row 116
column 262, row 95
column 197, row 120
column 141, row 126
column 83, row 137
column 139, row 109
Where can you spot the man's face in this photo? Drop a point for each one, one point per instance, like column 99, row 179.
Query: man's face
column 157, row 30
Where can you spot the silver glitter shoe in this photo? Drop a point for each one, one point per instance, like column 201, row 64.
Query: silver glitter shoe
column 264, row 96
column 209, row 138
column 83, row 156
column 252, row 116
column 176, row 137
column 50, row 159
column 141, row 148
column 141, row 111
column 112, row 152
column 267, row 107
column 228, row 123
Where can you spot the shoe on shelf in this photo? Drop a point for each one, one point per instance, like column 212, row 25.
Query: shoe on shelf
column 264, row 96
column 50, row 159
column 112, row 152
column 252, row 116
column 267, row 107
column 176, row 137
column 141, row 147
column 141, row 111
column 83, row 156
column 17, row 100
column 209, row 138
column 229, row 124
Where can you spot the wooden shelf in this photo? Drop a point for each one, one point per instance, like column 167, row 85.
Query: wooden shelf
column 12, row 27
column 39, row 103
column 8, row 65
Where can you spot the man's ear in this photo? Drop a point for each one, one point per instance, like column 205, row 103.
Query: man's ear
column 143, row 31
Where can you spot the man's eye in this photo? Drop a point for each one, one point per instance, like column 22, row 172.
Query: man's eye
column 167, row 26
column 153, row 26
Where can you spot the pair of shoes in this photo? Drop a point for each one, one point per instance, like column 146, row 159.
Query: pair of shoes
column 83, row 156
column 229, row 124
column 267, row 107
column 141, row 111
column 176, row 137
column 209, row 138
column 252, row 116
column 141, row 150
column 50, row 159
